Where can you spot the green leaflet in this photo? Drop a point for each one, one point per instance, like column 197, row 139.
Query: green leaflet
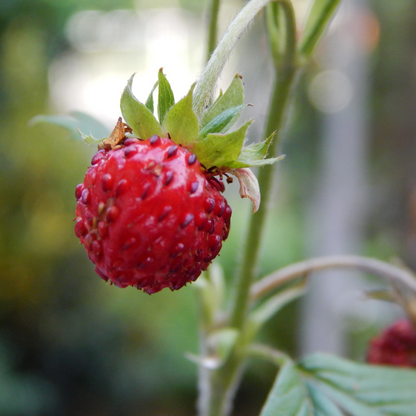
column 137, row 115
column 322, row 405
column 262, row 313
column 181, row 122
column 288, row 396
column 221, row 149
column 323, row 385
column 75, row 123
column 233, row 97
column 363, row 390
column 165, row 97
column 221, row 123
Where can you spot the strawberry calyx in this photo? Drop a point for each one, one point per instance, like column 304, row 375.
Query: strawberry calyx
column 219, row 146
column 211, row 137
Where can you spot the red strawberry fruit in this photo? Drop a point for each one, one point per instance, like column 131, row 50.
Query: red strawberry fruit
column 395, row 346
column 149, row 216
column 150, row 211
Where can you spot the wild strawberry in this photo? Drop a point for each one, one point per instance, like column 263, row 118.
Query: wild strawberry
column 395, row 346
column 150, row 216
column 150, row 212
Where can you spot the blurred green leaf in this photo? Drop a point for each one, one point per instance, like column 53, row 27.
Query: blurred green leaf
column 322, row 385
column 320, row 14
column 270, row 307
column 75, row 122
column 322, row 405
column 288, row 396
column 363, row 390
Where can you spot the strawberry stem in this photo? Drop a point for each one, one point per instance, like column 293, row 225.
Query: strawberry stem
column 280, row 99
column 206, row 84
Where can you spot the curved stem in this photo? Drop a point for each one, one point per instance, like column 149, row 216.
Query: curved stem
column 283, row 84
column 213, row 27
column 272, row 355
column 392, row 273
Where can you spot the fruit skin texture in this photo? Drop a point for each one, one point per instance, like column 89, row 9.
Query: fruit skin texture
column 395, row 346
column 149, row 216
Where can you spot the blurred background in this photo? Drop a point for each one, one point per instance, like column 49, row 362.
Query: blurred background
column 72, row 345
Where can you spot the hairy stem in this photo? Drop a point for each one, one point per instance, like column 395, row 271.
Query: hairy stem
column 393, row 274
column 204, row 87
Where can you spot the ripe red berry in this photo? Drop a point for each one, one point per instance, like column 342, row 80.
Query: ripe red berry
column 395, row 346
column 149, row 216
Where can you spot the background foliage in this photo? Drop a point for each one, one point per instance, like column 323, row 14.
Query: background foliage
column 71, row 345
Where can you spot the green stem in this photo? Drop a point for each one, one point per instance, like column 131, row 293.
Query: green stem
column 396, row 275
column 206, row 84
column 217, row 394
column 217, row 387
column 213, row 27
column 283, row 84
column 267, row 353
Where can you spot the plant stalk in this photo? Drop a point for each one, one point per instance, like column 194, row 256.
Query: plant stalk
column 394, row 274
column 217, row 387
column 283, row 85
column 206, row 84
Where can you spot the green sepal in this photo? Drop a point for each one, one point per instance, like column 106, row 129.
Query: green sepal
column 222, row 122
column 255, row 155
column 221, row 150
column 75, row 122
column 165, row 98
column 233, row 97
column 181, row 122
column 149, row 102
column 137, row 115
